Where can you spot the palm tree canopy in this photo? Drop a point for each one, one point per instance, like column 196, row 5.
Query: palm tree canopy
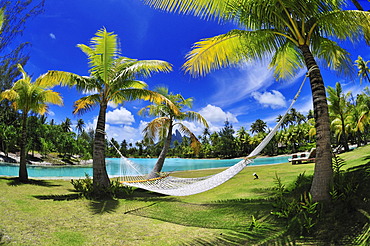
column 274, row 28
column 166, row 116
column 363, row 69
column 113, row 78
column 29, row 96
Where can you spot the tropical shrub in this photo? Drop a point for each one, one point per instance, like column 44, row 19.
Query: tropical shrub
column 93, row 192
column 301, row 214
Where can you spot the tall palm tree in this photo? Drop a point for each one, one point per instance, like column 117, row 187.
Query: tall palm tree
column 30, row 96
column 292, row 33
column 80, row 126
column 363, row 101
column 113, row 78
column 340, row 113
column 66, row 125
column 363, row 69
column 162, row 126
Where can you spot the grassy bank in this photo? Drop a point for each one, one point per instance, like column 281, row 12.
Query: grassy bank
column 50, row 213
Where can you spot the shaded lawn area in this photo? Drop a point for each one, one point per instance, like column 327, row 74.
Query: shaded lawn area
column 50, row 213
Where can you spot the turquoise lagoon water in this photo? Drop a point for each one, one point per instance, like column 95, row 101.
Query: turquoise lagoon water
column 114, row 166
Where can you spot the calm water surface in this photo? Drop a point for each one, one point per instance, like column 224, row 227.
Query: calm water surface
column 114, row 166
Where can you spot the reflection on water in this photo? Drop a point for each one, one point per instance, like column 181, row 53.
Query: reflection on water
column 114, row 166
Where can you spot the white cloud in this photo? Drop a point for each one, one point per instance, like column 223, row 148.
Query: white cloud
column 52, row 35
column 215, row 117
column 214, row 114
column 234, row 87
column 273, row 99
column 120, row 116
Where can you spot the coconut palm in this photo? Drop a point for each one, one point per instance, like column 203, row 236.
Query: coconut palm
column 363, row 101
column 162, row 126
column 113, row 78
column 28, row 96
column 340, row 113
column 258, row 126
column 363, row 69
column 290, row 32
column 66, row 125
column 80, row 126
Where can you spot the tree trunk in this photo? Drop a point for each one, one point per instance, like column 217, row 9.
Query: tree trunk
column 344, row 136
column 162, row 156
column 100, row 175
column 323, row 173
column 357, row 5
column 23, row 174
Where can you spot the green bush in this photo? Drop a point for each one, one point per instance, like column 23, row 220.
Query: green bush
column 301, row 213
column 90, row 191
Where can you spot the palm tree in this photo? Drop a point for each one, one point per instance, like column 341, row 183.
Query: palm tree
column 363, row 101
column 340, row 113
column 66, row 125
column 80, row 126
column 363, row 69
column 113, row 78
column 258, row 126
column 27, row 96
column 292, row 33
column 162, row 126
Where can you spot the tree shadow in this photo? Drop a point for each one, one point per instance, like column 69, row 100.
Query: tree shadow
column 103, row 206
column 67, row 197
column 15, row 182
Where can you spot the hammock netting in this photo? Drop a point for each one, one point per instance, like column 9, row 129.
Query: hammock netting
column 135, row 175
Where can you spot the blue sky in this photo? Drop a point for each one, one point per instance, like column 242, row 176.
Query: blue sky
column 242, row 95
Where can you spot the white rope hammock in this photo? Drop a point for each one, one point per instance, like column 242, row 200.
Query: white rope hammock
column 176, row 186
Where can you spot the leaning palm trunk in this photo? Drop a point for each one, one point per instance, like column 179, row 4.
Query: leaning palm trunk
column 100, row 175
column 23, row 174
column 323, row 169
column 162, row 156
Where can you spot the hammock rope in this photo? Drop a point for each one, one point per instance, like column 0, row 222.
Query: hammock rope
column 175, row 186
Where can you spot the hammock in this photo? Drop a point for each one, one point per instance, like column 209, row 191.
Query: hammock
column 175, row 186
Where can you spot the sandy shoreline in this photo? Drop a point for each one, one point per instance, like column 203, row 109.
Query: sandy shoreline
column 13, row 158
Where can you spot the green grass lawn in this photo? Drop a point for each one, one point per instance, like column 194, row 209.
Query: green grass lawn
column 50, row 213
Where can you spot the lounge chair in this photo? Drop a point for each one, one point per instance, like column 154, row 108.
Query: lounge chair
column 303, row 157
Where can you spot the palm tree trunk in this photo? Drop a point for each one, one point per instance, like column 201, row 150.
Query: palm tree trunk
column 323, row 172
column 162, row 156
column 23, row 174
column 357, row 5
column 344, row 137
column 100, row 175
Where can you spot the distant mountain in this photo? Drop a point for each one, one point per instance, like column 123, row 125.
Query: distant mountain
column 176, row 137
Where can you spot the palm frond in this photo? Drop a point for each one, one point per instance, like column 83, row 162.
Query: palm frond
column 156, row 128
column 9, row 94
column 145, row 68
column 194, row 144
column 286, row 61
column 194, row 116
column 52, row 78
column 335, row 57
column 101, row 53
column 202, row 8
column 135, row 94
column 214, row 53
column 86, row 104
column 346, row 25
column 52, row 97
column 231, row 49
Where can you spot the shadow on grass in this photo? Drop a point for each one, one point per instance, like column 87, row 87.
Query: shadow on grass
column 228, row 214
column 104, row 206
column 67, row 197
column 16, row 182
